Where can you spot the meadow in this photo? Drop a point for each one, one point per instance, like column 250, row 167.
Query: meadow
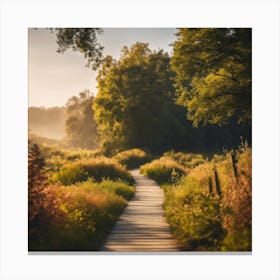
column 74, row 198
column 80, row 194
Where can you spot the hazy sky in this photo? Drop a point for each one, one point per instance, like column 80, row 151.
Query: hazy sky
column 54, row 77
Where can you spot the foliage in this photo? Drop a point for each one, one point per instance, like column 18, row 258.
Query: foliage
column 80, row 125
column 83, row 40
column 76, row 217
column 194, row 217
column 213, row 67
column 70, row 174
column 56, row 156
column 36, row 165
column 118, row 187
column 203, row 220
column 80, row 216
column 163, row 170
column 97, row 169
column 189, row 160
column 134, row 106
column 41, row 208
column 237, row 205
column 132, row 158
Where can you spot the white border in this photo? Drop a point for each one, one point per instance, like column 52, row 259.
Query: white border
column 262, row 16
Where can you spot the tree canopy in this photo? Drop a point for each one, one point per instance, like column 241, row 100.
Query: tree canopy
column 83, row 40
column 213, row 74
column 144, row 96
column 134, row 106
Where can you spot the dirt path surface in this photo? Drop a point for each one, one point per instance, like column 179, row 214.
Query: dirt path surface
column 142, row 227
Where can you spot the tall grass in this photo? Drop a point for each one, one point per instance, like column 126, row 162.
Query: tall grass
column 56, row 157
column 133, row 158
column 188, row 160
column 75, row 217
column 163, row 170
column 97, row 169
column 194, row 217
column 237, row 207
column 204, row 220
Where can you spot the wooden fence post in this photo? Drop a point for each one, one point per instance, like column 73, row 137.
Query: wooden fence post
column 234, row 161
column 217, row 182
column 210, row 185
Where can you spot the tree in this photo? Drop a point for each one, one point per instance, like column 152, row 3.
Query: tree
column 83, row 40
column 213, row 74
column 36, row 183
column 36, row 165
column 80, row 125
column 134, row 106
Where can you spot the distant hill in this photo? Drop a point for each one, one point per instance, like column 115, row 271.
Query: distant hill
column 47, row 122
column 41, row 140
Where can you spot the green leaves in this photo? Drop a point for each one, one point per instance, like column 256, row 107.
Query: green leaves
column 83, row 40
column 213, row 74
column 134, row 106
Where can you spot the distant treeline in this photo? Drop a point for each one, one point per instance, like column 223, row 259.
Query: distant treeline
column 71, row 126
column 56, row 123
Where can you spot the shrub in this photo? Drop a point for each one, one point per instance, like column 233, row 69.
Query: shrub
column 118, row 187
column 97, row 169
column 44, row 218
column 132, row 158
column 163, row 170
column 194, row 216
column 71, row 174
column 79, row 217
column 188, row 160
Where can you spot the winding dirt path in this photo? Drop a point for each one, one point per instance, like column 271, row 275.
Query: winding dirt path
column 142, row 227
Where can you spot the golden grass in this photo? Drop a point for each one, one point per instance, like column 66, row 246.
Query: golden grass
column 76, row 217
column 132, row 158
column 163, row 170
column 201, row 220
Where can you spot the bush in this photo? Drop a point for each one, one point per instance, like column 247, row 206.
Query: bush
column 70, row 174
column 163, row 170
column 188, row 160
column 97, row 169
column 194, row 216
column 79, row 217
column 118, row 187
column 132, row 158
